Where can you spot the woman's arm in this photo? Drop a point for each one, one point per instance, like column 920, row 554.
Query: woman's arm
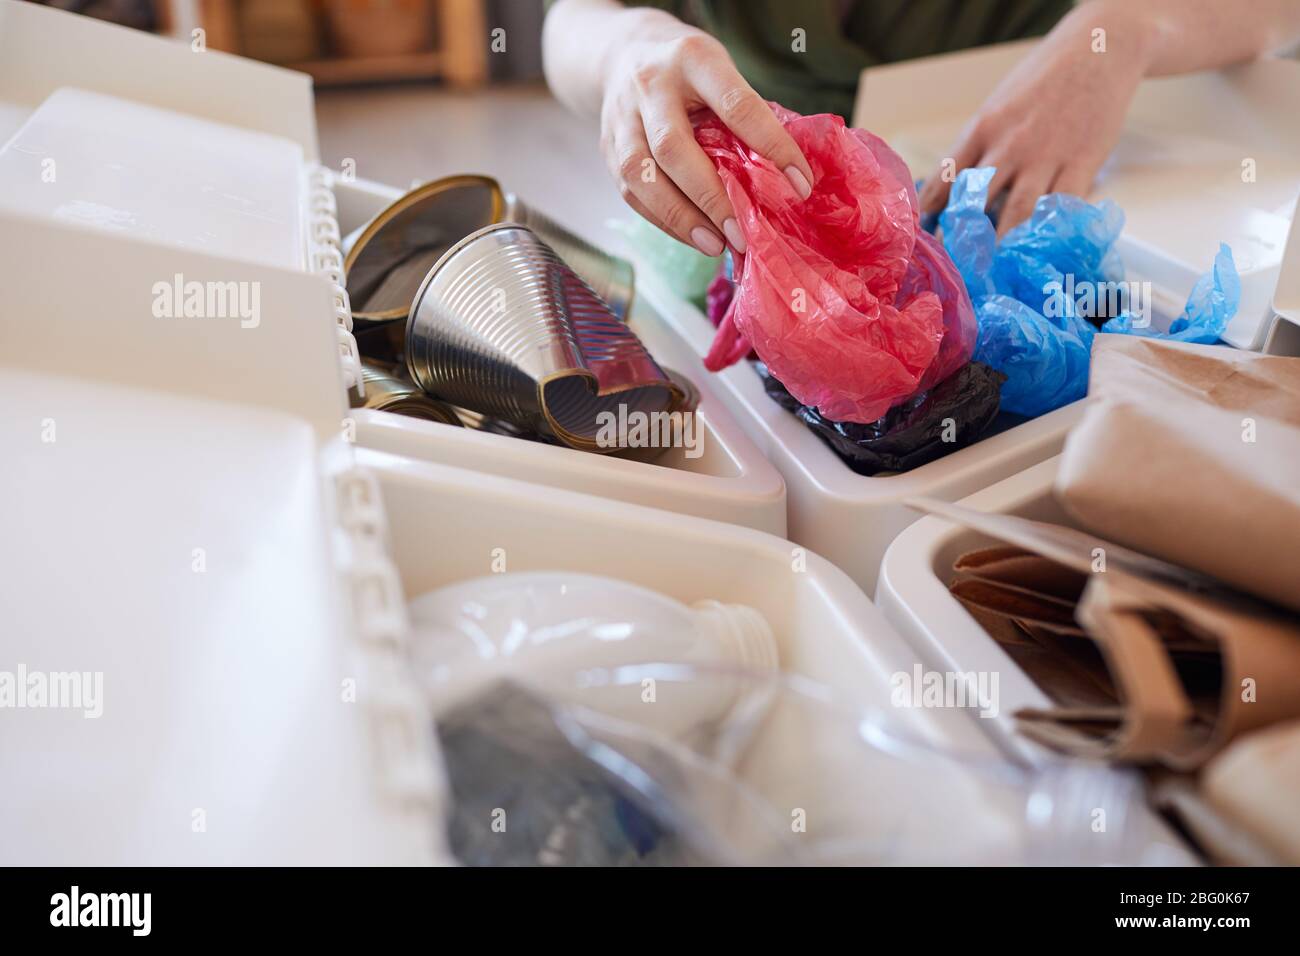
column 1056, row 117
column 580, row 36
column 643, row 72
column 1191, row 35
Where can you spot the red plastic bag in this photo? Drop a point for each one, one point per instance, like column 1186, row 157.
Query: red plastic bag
column 850, row 304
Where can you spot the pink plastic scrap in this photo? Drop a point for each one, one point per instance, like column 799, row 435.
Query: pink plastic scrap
column 851, row 305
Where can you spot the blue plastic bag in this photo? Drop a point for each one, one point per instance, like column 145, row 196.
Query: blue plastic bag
column 1033, row 292
column 1213, row 302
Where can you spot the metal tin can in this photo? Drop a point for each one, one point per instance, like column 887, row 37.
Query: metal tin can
column 386, row 259
column 386, row 390
column 610, row 277
column 503, row 326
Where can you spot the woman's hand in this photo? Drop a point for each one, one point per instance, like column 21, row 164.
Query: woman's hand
column 652, row 83
column 1055, row 118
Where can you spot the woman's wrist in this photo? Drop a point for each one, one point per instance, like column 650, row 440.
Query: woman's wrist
column 629, row 27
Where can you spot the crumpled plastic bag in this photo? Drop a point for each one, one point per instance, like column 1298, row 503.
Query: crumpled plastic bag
column 1213, row 301
column 1030, row 328
column 951, row 415
column 849, row 303
column 717, row 299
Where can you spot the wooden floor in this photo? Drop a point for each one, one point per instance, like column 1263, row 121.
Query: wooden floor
column 518, row 134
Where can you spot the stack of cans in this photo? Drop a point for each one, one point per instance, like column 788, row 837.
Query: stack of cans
column 494, row 308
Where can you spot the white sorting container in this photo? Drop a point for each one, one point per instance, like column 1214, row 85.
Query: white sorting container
column 831, row 509
column 913, row 594
column 1284, row 337
column 825, row 627
column 1178, row 175
column 205, row 151
column 237, row 601
column 187, row 586
column 228, row 552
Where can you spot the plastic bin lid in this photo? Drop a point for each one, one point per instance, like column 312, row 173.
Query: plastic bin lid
column 131, row 169
column 1204, row 158
column 156, row 200
column 189, row 365
column 170, row 585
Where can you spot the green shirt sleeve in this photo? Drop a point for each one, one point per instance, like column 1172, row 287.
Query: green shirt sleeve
column 808, row 55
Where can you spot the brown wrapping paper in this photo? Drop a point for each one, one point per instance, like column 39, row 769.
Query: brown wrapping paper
column 1192, row 454
column 1258, row 675
column 1175, row 708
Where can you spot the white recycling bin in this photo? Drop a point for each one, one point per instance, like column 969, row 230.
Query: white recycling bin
column 1182, row 178
column 831, row 509
column 205, row 151
column 913, row 594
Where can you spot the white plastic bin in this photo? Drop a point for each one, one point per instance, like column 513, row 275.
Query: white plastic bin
column 134, row 150
column 1284, row 337
column 224, row 541
column 181, row 581
column 913, row 594
column 825, row 627
column 831, row 509
column 729, row 479
column 1178, row 175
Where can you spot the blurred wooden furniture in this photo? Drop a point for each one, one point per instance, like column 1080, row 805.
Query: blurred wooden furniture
column 459, row 55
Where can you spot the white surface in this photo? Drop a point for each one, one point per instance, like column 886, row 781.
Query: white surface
column 1285, row 337
column 116, row 165
column 1177, row 172
column 221, row 687
column 843, row 516
column 729, row 481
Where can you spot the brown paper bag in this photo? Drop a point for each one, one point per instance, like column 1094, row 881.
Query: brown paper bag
column 1178, row 709
column 1192, row 454
column 1255, row 682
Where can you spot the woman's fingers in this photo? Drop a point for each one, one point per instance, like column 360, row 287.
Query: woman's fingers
column 934, row 194
column 672, row 143
column 1076, row 178
column 1022, row 194
column 634, row 168
column 747, row 114
column 639, row 208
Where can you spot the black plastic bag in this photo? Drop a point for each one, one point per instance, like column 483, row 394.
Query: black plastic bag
column 955, row 413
